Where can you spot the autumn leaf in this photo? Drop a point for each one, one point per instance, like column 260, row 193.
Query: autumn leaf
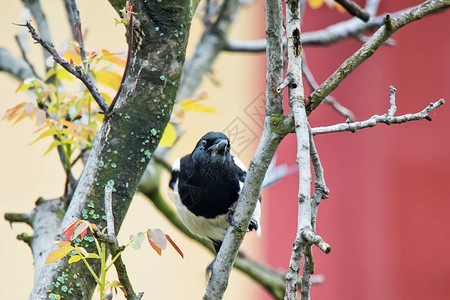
column 314, row 4
column 174, row 245
column 58, row 254
column 49, row 132
column 75, row 57
column 169, row 136
column 113, row 58
column 157, row 240
column 193, row 105
column 108, row 78
column 69, row 230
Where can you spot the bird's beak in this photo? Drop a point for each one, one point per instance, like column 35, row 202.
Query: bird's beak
column 219, row 147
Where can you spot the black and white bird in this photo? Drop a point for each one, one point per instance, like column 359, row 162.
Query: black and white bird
column 206, row 186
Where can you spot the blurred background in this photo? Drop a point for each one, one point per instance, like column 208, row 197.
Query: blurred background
column 387, row 216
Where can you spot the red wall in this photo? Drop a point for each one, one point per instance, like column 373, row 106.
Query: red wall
column 387, row 218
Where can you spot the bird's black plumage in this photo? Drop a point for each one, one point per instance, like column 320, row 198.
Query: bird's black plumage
column 206, row 186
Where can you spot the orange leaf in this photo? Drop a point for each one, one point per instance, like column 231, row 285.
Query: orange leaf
column 58, row 254
column 113, row 57
column 68, row 124
column 174, row 245
column 63, row 244
column 20, row 117
column 12, row 112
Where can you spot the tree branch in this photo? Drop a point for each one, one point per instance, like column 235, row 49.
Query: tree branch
column 207, row 49
column 77, row 71
column 270, row 139
column 386, row 119
column 15, row 66
column 111, row 239
column 354, row 9
column 36, row 10
column 329, row 35
column 329, row 99
column 392, row 24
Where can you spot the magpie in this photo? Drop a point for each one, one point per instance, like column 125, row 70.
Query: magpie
column 206, row 186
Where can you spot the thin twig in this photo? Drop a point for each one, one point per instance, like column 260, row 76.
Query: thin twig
column 329, row 99
column 19, row 218
column 393, row 108
column 79, row 37
column 354, row 9
column 127, row 65
column 353, row 127
column 77, row 71
column 44, row 30
column 111, row 239
column 24, row 55
column 391, row 25
column 70, row 18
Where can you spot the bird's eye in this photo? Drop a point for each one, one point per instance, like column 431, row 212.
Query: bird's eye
column 203, row 143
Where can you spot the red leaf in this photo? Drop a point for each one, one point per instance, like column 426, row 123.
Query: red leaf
column 174, row 245
column 68, row 232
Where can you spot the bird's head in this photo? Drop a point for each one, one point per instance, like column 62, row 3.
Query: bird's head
column 213, row 147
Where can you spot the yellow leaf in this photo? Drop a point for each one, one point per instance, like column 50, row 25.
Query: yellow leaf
column 58, row 254
column 63, row 74
column 75, row 57
column 49, row 132
column 108, row 78
column 199, row 107
column 169, row 136
column 314, row 4
column 75, row 135
column 74, row 258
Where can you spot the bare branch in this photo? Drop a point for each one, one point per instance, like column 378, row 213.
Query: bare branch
column 267, row 146
column 111, row 240
column 19, row 218
column 329, row 35
column 386, row 119
column 22, row 48
column 15, row 66
column 329, row 99
column 36, row 10
column 393, row 108
column 77, row 71
column 207, row 49
column 354, row 9
column 70, row 18
column 392, row 24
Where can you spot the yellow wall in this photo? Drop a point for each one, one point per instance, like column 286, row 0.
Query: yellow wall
column 26, row 175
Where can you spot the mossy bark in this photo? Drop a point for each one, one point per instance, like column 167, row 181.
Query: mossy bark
column 128, row 137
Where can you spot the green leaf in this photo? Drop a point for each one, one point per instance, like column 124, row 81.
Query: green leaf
column 54, row 144
column 137, row 240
